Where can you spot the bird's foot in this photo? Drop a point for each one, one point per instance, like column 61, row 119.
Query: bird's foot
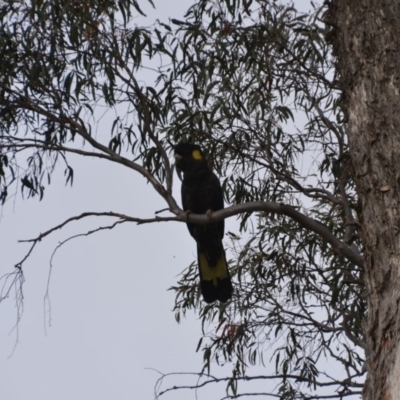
column 187, row 212
column 209, row 213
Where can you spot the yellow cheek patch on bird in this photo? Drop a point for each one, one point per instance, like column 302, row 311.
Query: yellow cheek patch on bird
column 196, row 154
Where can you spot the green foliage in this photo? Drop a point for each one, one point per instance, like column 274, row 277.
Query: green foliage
column 61, row 61
column 254, row 83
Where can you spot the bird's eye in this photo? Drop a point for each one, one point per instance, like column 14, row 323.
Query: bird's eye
column 196, row 154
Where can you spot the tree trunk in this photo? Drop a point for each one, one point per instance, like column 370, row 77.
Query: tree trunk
column 367, row 47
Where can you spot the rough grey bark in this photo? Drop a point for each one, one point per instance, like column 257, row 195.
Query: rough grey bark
column 367, row 47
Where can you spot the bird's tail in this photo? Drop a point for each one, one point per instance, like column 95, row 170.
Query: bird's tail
column 215, row 280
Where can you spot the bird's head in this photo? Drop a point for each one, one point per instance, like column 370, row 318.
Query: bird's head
column 189, row 157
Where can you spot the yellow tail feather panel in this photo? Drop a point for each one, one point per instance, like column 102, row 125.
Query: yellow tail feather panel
column 208, row 273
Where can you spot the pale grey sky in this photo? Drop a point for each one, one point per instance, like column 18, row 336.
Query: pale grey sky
column 111, row 311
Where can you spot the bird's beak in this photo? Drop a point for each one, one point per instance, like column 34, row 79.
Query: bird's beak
column 178, row 157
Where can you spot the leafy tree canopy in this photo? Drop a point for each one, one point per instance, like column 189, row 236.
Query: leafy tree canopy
column 254, row 83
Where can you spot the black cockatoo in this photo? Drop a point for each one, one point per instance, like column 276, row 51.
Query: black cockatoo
column 202, row 193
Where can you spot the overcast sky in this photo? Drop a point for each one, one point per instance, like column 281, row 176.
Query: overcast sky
column 110, row 306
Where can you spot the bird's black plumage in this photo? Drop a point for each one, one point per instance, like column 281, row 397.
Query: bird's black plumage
column 202, row 193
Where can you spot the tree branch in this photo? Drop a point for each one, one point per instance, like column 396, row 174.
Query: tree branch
column 64, row 120
column 297, row 378
column 203, row 219
column 133, row 84
column 123, row 217
column 282, row 209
